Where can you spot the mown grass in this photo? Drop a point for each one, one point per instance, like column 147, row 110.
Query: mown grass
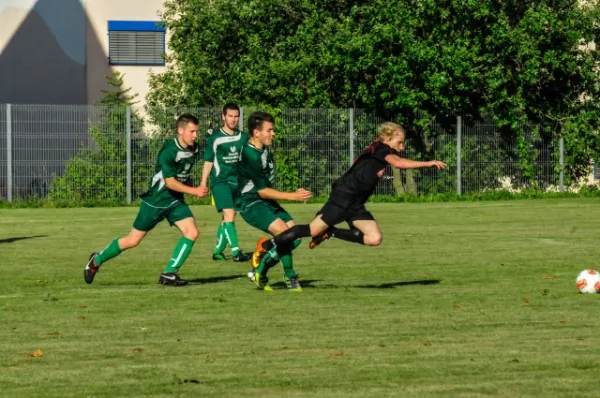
column 462, row 299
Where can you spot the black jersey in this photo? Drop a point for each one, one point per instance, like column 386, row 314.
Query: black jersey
column 359, row 182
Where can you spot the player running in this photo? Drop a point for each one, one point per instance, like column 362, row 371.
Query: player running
column 257, row 200
column 221, row 156
column 164, row 199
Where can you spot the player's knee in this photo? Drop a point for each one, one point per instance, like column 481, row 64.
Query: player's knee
column 228, row 215
column 373, row 239
column 191, row 233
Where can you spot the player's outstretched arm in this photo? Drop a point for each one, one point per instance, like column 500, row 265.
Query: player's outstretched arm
column 177, row 186
column 301, row 194
column 403, row 163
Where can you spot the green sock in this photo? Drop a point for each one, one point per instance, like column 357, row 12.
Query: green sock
column 285, row 253
column 231, row 235
column 286, row 259
column 111, row 251
column 180, row 254
column 221, row 241
column 296, row 243
column 272, row 258
column 268, row 261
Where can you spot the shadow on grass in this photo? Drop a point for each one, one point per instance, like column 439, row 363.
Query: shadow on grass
column 215, row 279
column 17, row 238
column 392, row 285
column 196, row 281
column 308, row 284
column 305, row 283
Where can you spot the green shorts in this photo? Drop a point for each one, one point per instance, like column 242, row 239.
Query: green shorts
column 148, row 215
column 261, row 214
column 222, row 193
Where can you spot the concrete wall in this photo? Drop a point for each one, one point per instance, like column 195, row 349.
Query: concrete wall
column 56, row 51
column 99, row 13
column 42, row 52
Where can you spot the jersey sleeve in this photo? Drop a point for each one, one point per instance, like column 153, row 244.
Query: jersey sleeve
column 209, row 154
column 166, row 159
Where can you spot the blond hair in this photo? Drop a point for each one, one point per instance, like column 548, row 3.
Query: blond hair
column 388, row 130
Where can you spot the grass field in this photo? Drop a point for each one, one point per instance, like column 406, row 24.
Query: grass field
column 462, row 299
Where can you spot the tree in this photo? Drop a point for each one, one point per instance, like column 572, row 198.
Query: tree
column 100, row 173
column 522, row 63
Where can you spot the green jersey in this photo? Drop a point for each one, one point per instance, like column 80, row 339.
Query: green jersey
column 223, row 150
column 173, row 161
column 255, row 171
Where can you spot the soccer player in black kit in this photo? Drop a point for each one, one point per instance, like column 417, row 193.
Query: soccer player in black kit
column 350, row 193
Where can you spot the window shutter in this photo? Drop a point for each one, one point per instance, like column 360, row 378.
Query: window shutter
column 136, row 48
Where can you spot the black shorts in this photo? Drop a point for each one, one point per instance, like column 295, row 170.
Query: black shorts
column 333, row 213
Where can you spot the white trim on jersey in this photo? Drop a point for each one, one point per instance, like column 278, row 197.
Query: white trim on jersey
column 220, row 141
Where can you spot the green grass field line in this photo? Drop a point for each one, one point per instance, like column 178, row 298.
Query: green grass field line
column 463, row 299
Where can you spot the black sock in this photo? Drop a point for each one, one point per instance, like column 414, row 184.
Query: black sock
column 349, row 235
column 288, row 236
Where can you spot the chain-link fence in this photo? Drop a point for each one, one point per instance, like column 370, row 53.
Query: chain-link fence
column 98, row 153
column 492, row 161
column 4, row 173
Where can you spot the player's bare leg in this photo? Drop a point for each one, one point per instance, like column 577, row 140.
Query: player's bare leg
column 320, row 232
column 364, row 232
column 370, row 229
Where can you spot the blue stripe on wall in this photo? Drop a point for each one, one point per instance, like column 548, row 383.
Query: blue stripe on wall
column 136, row 26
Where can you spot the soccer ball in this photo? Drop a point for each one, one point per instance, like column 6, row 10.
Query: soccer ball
column 251, row 275
column 588, row 281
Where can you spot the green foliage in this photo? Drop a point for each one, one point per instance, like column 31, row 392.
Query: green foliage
column 517, row 62
column 316, row 148
column 100, row 173
column 586, row 191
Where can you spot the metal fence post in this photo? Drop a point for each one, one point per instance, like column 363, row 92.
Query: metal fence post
column 9, row 173
column 128, row 129
column 351, row 128
column 241, row 119
column 458, row 155
column 561, row 183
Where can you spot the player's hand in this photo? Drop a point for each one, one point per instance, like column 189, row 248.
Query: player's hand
column 201, row 191
column 302, row 195
column 437, row 164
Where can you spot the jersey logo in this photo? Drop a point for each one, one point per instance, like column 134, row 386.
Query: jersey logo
column 219, row 141
column 232, row 149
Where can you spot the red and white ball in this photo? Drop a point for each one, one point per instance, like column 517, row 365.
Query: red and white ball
column 588, row 281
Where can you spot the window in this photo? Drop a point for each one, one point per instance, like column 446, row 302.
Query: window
column 136, row 43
